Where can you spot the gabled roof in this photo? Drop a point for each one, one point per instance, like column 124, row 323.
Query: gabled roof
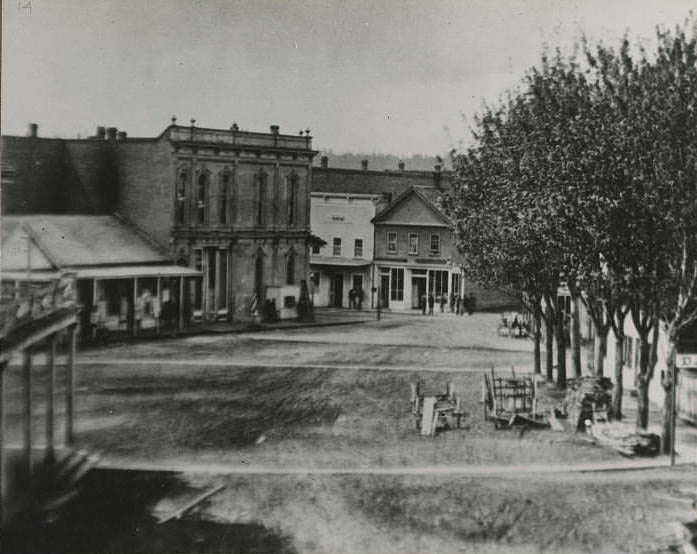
column 426, row 195
column 70, row 241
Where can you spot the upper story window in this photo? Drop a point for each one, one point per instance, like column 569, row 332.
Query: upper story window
column 435, row 245
column 292, row 197
column 391, row 243
column 358, row 248
column 224, row 179
column 181, row 196
column 315, row 248
column 413, row 243
column 336, row 247
column 262, row 179
column 201, row 190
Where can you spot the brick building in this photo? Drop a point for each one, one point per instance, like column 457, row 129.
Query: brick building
column 231, row 204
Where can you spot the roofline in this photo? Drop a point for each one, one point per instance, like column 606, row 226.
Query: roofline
column 413, row 172
column 447, row 221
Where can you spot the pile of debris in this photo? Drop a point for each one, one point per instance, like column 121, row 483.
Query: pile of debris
column 624, row 438
column 587, row 399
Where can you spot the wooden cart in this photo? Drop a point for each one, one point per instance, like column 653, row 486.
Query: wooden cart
column 434, row 410
column 511, row 400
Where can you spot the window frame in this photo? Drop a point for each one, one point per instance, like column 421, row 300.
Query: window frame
column 434, row 251
column 391, row 242
column 415, row 250
column 336, row 242
column 358, row 248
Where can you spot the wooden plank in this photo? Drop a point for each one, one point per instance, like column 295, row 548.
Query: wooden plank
column 189, row 505
column 428, row 419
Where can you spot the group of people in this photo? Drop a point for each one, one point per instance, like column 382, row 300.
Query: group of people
column 458, row 304
column 356, row 298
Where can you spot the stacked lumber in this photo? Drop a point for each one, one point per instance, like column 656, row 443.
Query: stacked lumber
column 624, row 438
column 585, row 396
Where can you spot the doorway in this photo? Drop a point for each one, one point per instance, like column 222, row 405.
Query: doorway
column 418, row 290
column 336, row 290
column 384, row 290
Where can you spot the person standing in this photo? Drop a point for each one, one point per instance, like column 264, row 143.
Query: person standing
column 442, row 303
column 431, row 302
column 452, row 302
column 422, row 302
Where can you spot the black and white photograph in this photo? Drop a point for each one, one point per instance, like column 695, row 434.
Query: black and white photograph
column 348, row 276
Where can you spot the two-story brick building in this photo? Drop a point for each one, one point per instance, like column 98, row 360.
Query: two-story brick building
column 414, row 253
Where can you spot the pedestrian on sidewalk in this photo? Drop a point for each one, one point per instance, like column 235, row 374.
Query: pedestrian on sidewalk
column 442, row 303
column 452, row 302
column 352, row 298
column 359, row 298
column 431, row 302
column 422, row 304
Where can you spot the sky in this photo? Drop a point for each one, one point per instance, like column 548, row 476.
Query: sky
column 390, row 76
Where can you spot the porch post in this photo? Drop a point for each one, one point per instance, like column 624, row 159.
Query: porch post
column 159, row 305
column 135, row 296
column 50, row 390
column 181, row 303
column 70, row 386
column 3, row 462
column 216, row 296
column 26, row 369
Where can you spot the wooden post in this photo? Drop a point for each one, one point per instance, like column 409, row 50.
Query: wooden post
column 181, row 303
column 135, row 297
column 3, row 462
column 216, row 298
column 26, row 369
column 159, row 305
column 70, row 387
column 50, row 390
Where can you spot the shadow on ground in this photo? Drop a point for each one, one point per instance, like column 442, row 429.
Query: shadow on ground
column 113, row 513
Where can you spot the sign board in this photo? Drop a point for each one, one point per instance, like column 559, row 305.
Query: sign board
column 686, row 360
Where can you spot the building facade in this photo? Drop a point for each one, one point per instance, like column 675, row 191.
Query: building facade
column 230, row 204
column 341, row 268
column 414, row 252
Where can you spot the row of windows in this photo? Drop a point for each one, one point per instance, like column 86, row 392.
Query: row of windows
column 224, row 194
column 336, row 247
column 413, row 244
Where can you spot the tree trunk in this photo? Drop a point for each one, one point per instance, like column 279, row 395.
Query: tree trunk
column 537, row 337
column 561, row 351
column 642, row 416
column 549, row 341
column 599, row 348
column 618, row 390
column 575, row 337
column 590, row 353
column 667, row 438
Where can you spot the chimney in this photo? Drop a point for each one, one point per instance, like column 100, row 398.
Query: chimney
column 121, row 135
column 101, row 133
column 324, row 161
column 400, row 165
column 364, row 165
column 33, row 130
column 111, row 133
column 274, row 129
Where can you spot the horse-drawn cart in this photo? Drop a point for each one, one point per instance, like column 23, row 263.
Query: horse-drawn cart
column 511, row 400
column 435, row 409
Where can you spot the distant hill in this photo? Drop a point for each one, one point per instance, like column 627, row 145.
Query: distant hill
column 380, row 162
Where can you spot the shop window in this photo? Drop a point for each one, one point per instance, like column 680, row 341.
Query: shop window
column 391, row 243
column 397, row 284
column 222, row 282
column 358, row 248
column 336, row 247
column 437, row 282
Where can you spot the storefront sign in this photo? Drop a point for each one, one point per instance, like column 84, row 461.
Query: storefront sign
column 685, row 360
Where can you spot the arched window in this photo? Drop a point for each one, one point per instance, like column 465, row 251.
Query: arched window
column 224, row 179
column 181, row 196
column 262, row 179
column 292, row 197
column 290, row 268
column 202, row 185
